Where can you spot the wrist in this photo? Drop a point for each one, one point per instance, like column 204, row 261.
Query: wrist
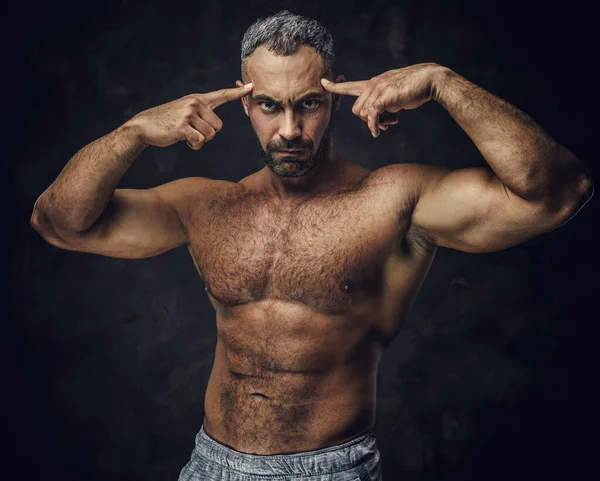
column 439, row 83
column 131, row 132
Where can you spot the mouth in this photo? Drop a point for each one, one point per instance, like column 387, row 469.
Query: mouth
column 291, row 153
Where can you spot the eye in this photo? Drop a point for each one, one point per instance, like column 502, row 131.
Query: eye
column 268, row 106
column 312, row 104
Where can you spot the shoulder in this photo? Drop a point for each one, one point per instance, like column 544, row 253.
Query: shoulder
column 401, row 183
column 411, row 181
column 186, row 189
column 189, row 194
column 404, row 184
column 410, row 175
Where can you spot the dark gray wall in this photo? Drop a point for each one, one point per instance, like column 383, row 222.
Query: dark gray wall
column 106, row 360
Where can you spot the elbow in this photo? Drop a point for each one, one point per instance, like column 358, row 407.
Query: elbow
column 41, row 222
column 39, row 219
column 587, row 188
column 583, row 191
column 36, row 221
column 572, row 200
column 53, row 214
column 582, row 188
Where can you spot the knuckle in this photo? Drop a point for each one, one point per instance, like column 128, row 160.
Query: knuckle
column 191, row 143
column 192, row 101
column 195, row 140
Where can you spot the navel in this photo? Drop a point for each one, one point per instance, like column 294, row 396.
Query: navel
column 258, row 394
column 346, row 286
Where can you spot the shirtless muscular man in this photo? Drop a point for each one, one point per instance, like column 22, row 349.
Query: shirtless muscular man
column 312, row 262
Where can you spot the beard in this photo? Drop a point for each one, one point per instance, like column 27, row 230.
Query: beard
column 296, row 165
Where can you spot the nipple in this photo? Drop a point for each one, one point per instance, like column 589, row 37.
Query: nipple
column 346, row 286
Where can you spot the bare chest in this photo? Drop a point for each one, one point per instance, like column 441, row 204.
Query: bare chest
column 327, row 253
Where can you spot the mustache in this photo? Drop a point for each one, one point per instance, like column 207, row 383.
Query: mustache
column 291, row 145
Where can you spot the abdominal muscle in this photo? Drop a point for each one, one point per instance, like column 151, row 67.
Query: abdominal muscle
column 286, row 379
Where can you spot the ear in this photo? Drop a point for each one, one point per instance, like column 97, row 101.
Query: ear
column 244, row 100
column 337, row 98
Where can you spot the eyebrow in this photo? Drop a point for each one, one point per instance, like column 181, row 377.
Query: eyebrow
column 309, row 95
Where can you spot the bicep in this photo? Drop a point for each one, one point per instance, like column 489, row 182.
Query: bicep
column 137, row 223
column 473, row 211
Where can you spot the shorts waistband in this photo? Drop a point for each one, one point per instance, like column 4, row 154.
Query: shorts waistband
column 327, row 460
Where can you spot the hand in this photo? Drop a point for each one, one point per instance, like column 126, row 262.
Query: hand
column 190, row 118
column 404, row 88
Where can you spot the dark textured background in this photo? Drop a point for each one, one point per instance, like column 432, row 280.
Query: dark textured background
column 106, row 360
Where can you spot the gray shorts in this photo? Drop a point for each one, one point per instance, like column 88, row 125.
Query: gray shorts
column 354, row 460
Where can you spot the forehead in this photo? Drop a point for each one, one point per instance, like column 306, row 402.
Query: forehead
column 285, row 78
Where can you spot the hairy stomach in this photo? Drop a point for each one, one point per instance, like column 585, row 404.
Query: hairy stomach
column 290, row 381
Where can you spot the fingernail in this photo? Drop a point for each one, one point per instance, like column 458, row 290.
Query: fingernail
column 247, row 86
column 324, row 81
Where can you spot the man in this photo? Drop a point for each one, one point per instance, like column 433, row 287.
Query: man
column 313, row 262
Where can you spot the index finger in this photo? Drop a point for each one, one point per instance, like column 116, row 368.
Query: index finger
column 219, row 97
column 346, row 88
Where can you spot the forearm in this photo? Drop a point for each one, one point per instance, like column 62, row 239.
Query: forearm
column 525, row 158
column 86, row 184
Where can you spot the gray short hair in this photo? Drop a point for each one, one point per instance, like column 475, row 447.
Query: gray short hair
column 284, row 33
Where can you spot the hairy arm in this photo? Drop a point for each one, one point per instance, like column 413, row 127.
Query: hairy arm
column 84, row 187
column 136, row 223
column 531, row 185
column 83, row 211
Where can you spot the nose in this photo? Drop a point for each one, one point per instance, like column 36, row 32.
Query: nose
column 290, row 127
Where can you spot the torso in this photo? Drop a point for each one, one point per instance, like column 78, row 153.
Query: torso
column 306, row 298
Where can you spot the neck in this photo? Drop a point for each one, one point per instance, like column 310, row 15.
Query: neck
column 321, row 178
